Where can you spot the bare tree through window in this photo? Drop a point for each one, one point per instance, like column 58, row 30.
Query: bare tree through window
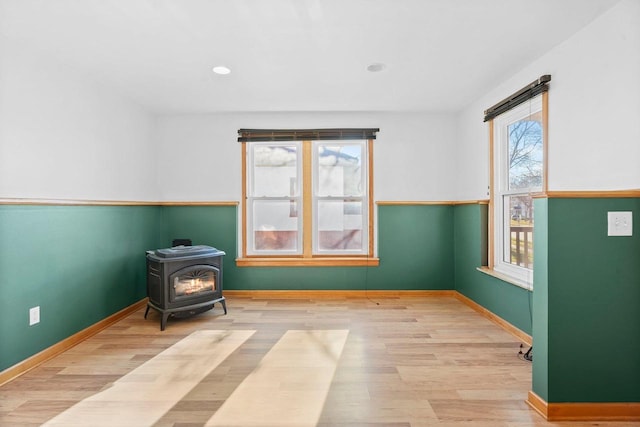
column 525, row 158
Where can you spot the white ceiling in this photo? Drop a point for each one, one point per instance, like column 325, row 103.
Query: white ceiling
column 297, row 55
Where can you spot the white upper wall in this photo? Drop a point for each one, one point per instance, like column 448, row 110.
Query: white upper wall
column 594, row 110
column 63, row 136
column 200, row 160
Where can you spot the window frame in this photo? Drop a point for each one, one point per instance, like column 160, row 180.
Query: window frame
column 317, row 198
column 297, row 198
column 498, row 213
column 308, row 257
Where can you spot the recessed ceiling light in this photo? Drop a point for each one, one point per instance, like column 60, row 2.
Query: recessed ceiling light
column 221, row 69
column 376, row 67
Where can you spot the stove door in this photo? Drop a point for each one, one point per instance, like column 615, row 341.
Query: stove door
column 193, row 283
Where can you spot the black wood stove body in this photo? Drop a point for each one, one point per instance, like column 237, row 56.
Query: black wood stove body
column 183, row 281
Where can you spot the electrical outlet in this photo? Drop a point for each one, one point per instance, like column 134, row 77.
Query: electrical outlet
column 620, row 223
column 34, row 315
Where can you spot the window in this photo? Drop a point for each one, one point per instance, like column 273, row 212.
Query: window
column 274, row 198
column 340, row 207
column 518, row 173
column 307, row 202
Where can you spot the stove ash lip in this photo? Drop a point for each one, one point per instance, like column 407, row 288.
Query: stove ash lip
column 184, row 252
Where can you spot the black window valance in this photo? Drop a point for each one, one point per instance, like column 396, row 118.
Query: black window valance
column 526, row 93
column 245, row 135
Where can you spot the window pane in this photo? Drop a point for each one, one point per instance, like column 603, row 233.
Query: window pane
column 339, row 170
column 275, row 225
column 525, row 153
column 519, row 231
column 275, row 171
column 340, row 225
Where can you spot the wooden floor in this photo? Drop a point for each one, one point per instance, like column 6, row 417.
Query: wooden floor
column 399, row 362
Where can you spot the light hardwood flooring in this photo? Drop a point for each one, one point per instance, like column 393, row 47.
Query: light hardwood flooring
column 357, row 362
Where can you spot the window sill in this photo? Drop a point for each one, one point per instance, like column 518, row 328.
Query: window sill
column 504, row 278
column 308, row 262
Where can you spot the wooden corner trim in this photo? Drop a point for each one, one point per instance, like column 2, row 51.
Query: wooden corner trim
column 70, row 202
column 585, row 411
column 471, row 202
column 64, row 345
column 521, row 335
column 334, row 294
column 308, row 262
column 537, row 404
column 228, row 203
column 431, row 203
column 592, row 194
column 414, row 202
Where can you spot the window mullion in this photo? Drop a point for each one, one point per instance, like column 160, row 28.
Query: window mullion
column 307, row 200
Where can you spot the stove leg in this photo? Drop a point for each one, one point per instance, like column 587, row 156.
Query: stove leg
column 146, row 311
column 224, row 305
column 163, row 321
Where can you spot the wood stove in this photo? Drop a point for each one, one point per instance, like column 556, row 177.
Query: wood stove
column 183, row 281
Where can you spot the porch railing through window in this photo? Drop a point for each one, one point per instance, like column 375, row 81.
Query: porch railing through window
column 522, row 245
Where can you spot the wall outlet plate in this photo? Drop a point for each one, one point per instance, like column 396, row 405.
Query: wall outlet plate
column 34, row 315
column 620, row 223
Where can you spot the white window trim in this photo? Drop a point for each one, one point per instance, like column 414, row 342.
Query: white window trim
column 364, row 197
column 517, row 275
column 367, row 257
column 251, row 198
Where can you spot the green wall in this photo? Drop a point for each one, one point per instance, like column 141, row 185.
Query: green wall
column 204, row 225
column 590, row 302
column 511, row 303
column 584, row 313
column 80, row 264
column 540, row 371
column 415, row 248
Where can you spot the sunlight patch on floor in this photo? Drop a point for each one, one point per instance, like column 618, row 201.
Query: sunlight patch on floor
column 289, row 386
column 143, row 396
